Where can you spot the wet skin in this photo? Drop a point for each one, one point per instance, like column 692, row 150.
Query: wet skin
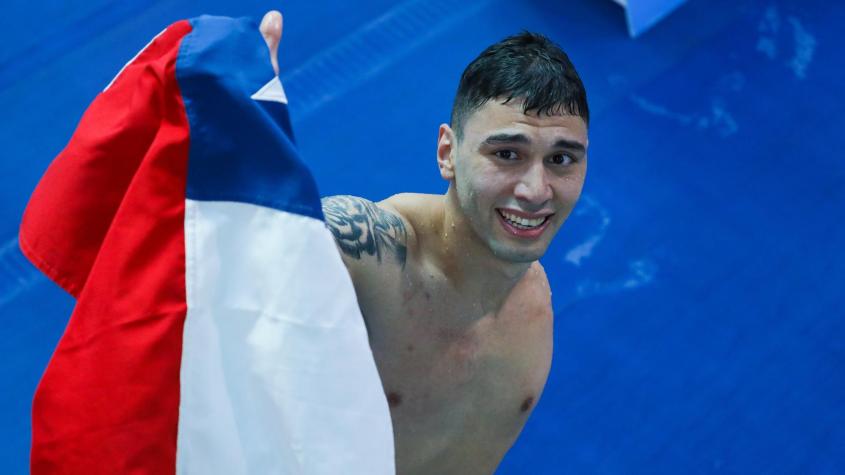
column 458, row 310
column 457, row 307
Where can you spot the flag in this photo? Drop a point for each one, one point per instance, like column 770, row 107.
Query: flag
column 216, row 329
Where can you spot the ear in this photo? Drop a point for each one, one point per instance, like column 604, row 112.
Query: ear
column 446, row 148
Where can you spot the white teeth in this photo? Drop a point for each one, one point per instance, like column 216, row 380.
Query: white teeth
column 523, row 222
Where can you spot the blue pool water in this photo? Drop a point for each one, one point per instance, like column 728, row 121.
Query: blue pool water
column 697, row 287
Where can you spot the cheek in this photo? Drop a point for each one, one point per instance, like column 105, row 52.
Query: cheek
column 489, row 191
column 569, row 187
column 568, row 194
column 480, row 184
column 572, row 192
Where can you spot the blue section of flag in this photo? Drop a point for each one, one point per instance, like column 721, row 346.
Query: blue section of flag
column 241, row 149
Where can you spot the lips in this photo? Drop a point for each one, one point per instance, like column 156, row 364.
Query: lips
column 523, row 225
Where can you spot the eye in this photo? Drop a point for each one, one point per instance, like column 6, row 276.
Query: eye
column 563, row 159
column 506, row 154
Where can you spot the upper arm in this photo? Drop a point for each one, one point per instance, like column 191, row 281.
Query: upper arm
column 365, row 233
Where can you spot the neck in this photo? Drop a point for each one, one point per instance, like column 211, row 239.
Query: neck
column 469, row 263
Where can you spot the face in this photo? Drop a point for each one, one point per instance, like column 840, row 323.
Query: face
column 516, row 176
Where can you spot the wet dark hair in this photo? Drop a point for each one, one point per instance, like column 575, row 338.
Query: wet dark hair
column 527, row 67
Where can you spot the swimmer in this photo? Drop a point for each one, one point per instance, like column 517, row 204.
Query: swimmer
column 457, row 306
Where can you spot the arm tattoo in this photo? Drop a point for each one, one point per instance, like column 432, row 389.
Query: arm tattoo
column 360, row 226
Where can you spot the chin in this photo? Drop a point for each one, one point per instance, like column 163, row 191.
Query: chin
column 516, row 254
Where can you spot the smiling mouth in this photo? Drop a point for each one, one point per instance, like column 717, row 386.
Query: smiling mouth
column 523, row 227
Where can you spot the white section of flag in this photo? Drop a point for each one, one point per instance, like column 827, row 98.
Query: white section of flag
column 277, row 374
column 272, row 91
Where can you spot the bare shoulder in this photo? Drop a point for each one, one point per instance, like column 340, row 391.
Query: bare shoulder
column 365, row 232
column 416, row 208
column 536, row 287
column 535, row 280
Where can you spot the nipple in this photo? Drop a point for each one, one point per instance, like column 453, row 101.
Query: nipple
column 526, row 404
column 394, row 399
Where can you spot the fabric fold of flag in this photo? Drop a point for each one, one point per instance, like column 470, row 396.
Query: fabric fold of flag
column 216, row 330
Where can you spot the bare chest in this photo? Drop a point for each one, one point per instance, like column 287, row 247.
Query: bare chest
column 460, row 382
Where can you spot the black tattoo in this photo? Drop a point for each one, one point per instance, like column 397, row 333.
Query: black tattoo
column 359, row 226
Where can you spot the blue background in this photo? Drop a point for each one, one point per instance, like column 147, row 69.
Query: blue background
column 644, row 14
column 698, row 285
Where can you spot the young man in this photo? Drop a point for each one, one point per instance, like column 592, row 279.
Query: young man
column 457, row 307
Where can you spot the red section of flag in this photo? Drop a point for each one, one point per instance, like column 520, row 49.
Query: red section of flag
column 107, row 224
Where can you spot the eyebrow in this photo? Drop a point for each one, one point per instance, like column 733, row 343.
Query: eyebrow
column 504, row 138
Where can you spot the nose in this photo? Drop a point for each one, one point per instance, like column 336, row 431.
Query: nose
column 533, row 186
